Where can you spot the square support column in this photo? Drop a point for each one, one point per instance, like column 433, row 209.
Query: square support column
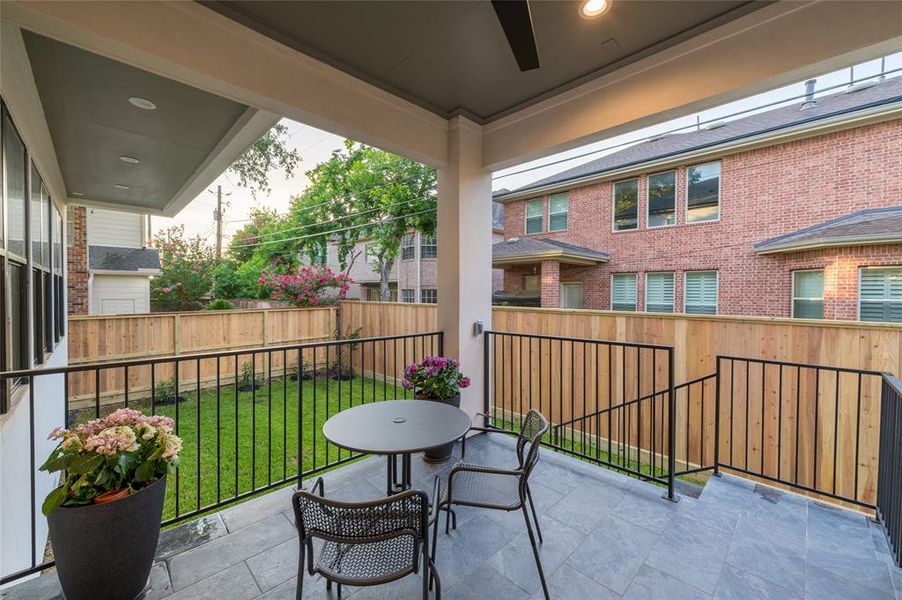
column 551, row 284
column 465, row 254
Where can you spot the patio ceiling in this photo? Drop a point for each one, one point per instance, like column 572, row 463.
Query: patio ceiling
column 452, row 57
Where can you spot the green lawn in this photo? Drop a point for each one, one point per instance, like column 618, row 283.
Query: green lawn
column 249, row 461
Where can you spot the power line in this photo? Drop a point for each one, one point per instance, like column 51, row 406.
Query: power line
column 325, row 233
column 695, row 125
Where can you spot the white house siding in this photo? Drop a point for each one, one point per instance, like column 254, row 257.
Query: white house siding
column 15, row 468
column 117, row 294
column 114, row 228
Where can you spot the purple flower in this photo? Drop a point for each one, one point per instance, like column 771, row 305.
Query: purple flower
column 464, row 382
column 406, row 385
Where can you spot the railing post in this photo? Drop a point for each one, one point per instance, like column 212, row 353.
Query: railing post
column 486, row 376
column 717, row 382
column 671, row 433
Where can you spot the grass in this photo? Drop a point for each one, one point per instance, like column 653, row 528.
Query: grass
column 258, row 437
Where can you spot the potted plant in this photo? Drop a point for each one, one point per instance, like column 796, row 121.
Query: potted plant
column 439, row 379
column 104, row 518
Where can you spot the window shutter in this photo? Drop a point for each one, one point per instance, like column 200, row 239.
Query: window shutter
column 659, row 292
column 623, row 291
column 701, row 293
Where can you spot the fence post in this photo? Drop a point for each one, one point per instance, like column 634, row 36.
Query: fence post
column 717, row 383
column 671, row 433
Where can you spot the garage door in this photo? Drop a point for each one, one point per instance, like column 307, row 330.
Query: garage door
column 113, row 294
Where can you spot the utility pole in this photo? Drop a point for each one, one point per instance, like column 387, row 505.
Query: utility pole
column 217, row 216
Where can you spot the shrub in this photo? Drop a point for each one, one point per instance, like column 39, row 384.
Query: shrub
column 220, row 304
column 308, row 286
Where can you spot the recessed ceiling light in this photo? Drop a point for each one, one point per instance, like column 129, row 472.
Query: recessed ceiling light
column 122, row 187
column 590, row 9
column 129, row 159
column 142, row 103
column 79, row 194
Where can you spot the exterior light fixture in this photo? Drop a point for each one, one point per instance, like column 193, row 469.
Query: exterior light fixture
column 78, row 194
column 590, row 9
column 119, row 186
column 142, row 103
column 129, row 159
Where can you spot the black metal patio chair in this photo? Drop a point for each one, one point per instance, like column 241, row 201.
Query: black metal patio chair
column 498, row 489
column 364, row 543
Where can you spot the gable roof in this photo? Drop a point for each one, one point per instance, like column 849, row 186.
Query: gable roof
column 885, row 92
column 143, row 261
column 529, row 249
column 873, row 226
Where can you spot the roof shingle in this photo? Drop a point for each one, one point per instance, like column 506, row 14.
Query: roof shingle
column 128, row 260
column 872, row 226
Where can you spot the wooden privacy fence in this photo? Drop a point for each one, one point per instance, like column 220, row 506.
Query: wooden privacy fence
column 99, row 339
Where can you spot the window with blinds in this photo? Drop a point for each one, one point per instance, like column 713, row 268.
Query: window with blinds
column 534, row 216
column 558, row 208
column 700, row 293
column 659, row 292
column 880, row 294
column 623, row 291
column 808, row 294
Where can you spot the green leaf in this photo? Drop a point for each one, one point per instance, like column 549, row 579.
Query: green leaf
column 145, row 471
column 55, row 463
column 85, row 463
column 54, row 500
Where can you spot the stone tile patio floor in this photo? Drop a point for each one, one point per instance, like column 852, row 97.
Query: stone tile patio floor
column 606, row 536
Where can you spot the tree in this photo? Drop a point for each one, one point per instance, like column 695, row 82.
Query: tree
column 187, row 270
column 363, row 193
column 266, row 154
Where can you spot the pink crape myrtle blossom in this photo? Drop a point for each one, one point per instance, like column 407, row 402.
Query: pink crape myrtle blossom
column 308, row 286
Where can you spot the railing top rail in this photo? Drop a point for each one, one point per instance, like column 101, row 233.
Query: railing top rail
column 893, row 382
column 582, row 340
column 139, row 362
column 801, row 365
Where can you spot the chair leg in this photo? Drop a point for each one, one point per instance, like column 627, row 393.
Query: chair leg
column 448, row 521
column 535, row 551
column 339, row 591
column 300, row 586
column 534, row 516
column 434, row 578
column 328, row 585
column 463, row 447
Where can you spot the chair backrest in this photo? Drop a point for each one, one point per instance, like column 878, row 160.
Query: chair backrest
column 529, row 440
column 367, row 522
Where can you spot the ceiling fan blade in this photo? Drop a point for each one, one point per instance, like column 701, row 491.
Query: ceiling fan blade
column 516, row 21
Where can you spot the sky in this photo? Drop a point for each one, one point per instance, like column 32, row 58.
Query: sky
column 315, row 145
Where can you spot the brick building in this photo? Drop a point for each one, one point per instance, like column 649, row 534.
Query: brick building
column 790, row 212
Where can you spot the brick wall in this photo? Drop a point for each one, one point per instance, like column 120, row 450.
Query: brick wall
column 77, row 262
column 765, row 192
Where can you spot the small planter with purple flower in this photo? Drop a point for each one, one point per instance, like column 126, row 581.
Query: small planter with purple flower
column 104, row 518
column 438, row 379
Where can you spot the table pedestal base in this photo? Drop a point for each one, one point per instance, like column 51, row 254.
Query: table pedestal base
column 392, row 485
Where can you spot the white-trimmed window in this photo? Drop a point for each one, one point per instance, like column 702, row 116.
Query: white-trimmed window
column 661, row 205
column 371, row 252
column 700, row 292
column 571, row 295
column 659, row 292
column 626, row 205
column 428, row 246
column 531, row 283
column 880, row 294
column 429, row 295
column 534, row 215
column 623, row 291
column 558, row 209
column 408, row 295
column 808, row 294
column 408, row 246
column 703, row 193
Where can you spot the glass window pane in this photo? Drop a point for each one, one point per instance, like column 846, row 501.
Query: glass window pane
column 808, row 309
column 662, row 199
column 623, row 291
column 626, row 205
column 14, row 163
column 37, row 312
column 57, row 231
column 703, row 193
column 701, row 292
column 430, row 296
column 18, row 316
column 808, row 294
column 558, row 208
column 39, row 220
column 428, row 247
column 534, row 216
column 407, row 295
column 659, row 292
column 407, row 248
column 881, row 295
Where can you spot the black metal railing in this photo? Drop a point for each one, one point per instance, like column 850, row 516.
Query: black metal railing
column 611, row 403
column 696, row 406
column 250, row 420
column 799, row 425
column 889, row 478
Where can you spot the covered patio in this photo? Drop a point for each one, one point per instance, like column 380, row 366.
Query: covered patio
column 447, row 84
column 607, row 535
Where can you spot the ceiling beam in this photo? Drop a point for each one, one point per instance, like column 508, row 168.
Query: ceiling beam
column 770, row 47
column 194, row 45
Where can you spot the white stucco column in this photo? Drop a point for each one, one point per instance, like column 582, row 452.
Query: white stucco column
column 465, row 253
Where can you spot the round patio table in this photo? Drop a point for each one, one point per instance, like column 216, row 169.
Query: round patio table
column 396, row 428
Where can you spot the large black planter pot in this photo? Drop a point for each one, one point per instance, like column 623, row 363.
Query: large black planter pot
column 443, row 452
column 105, row 551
